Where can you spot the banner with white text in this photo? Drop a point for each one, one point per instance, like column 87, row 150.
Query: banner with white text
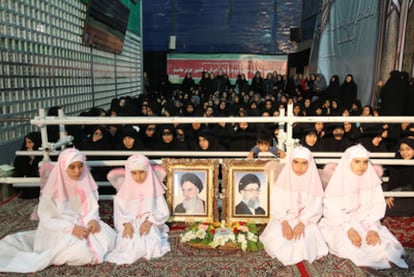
column 232, row 65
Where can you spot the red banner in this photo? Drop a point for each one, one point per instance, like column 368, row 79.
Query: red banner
column 178, row 67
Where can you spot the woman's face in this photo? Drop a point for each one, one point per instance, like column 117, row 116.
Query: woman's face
column 29, row 144
column 359, row 166
column 167, row 136
column 366, row 111
column 150, row 130
column 128, row 142
column 97, row 135
column 406, row 152
column 75, row 170
column 203, row 142
column 139, row 176
column 311, row 139
column 319, row 126
column 347, row 126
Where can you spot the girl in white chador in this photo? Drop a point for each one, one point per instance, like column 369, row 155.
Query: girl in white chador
column 292, row 235
column 140, row 212
column 69, row 231
column 353, row 207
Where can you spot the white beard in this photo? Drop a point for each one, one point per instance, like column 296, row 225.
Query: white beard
column 252, row 203
column 193, row 206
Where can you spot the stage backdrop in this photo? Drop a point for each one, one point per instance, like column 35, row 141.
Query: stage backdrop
column 232, row 64
column 348, row 43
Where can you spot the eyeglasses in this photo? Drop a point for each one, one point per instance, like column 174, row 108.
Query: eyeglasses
column 167, row 134
column 151, row 129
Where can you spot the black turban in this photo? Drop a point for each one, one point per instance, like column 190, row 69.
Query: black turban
column 192, row 178
column 248, row 179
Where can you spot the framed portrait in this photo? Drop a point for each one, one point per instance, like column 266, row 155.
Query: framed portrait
column 246, row 189
column 192, row 189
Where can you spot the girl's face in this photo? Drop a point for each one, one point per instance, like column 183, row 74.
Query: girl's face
column 75, row 170
column 300, row 166
column 29, row 144
column 359, row 166
column 406, row 152
column 139, row 176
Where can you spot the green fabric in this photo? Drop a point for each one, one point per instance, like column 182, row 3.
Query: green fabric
column 134, row 21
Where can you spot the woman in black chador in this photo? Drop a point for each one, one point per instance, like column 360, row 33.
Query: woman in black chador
column 401, row 179
column 349, row 91
column 27, row 166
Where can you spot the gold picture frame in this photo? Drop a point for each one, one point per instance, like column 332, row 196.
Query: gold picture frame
column 205, row 171
column 236, row 174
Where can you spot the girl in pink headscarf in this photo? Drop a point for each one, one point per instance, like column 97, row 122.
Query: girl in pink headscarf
column 292, row 235
column 70, row 230
column 140, row 212
column 353, row 207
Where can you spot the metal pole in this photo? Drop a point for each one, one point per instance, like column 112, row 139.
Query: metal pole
column 62, row 132
column 43, row 133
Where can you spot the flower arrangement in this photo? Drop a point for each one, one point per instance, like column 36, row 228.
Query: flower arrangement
column 216, row 234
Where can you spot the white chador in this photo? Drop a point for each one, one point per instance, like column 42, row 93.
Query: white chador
column 354, row 200
column 64, row 204
column 137, row 203
column 294, row 199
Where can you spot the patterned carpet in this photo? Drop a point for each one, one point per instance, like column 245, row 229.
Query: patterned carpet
column 185, row 260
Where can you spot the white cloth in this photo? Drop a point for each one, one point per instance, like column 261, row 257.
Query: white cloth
column 353, row 201
column 135, row 203
column 309, row 247
column 295, row 199
column 153, row 245
column 53, row 243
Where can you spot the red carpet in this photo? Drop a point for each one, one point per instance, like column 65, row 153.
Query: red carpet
column 402, row 228
column 184, row 259
column 302, row 269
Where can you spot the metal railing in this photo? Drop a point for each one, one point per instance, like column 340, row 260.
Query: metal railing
column 286, row 140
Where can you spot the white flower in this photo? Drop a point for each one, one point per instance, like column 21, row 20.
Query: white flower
column 200, row 234
column 242, row 240
column 252, row 237
column 188, row 236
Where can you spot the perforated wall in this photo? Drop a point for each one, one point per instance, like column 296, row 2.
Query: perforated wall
column 44, row 64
